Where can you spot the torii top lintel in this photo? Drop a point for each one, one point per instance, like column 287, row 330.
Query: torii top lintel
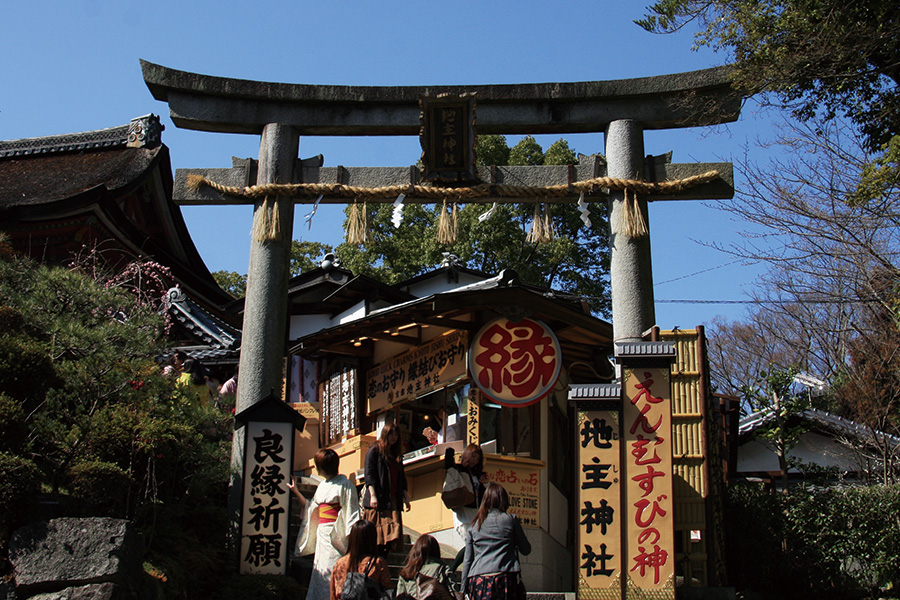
column 220, row 104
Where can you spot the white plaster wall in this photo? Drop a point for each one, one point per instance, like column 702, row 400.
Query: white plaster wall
column 302, row 325
column 357, row 311
column 438, row 284
column 822, row 450
column 549, row 566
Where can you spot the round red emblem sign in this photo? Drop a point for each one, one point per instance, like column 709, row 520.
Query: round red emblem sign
column 515, row 363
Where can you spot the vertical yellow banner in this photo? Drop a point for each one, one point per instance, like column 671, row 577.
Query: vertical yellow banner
column 647, row 437
column 473, row 414
column 599, row 511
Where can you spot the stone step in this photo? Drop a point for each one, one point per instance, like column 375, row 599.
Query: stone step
column 301, row 567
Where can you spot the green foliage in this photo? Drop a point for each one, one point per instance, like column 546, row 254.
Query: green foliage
column 20, row 482
column 824, row 58
column 232, row 282
column 576, row 261
column 559, row 153
column 814, row 542
column 395, row 254
column 261, row 587
column 21, row 357
column 306, row 256
column 491, row 150
column 99, row 421
column 106, row 487
column 881, row 177
column 526, row 153
column 12, row 424
column 188, row 547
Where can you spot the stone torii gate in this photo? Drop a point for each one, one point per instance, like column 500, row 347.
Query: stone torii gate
column 280, row 113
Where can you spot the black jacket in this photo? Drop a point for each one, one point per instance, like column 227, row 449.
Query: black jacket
column 378, row 475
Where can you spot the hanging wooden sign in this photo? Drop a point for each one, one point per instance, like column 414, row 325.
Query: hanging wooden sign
column 428, row 367
column 448, row 138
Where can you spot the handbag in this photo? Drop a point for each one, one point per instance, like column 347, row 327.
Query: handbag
column 429, row 588
column 359, row 586
column 457, row 490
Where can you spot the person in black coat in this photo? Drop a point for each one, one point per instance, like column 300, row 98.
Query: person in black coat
column 386, row 493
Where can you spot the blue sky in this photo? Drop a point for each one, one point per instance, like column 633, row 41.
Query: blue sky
column 73, row 66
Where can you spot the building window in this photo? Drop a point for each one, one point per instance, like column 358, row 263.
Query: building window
column 559, row 465
column 439, row 414
column 510, row 431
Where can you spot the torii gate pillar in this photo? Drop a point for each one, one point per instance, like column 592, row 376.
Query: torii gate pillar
column 630, row 266
column 264, row 332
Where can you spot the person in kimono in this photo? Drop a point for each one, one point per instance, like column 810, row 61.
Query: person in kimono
column 333, row 509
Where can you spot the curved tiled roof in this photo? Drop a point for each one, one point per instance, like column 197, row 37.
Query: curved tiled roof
column 41, row 170
column 215, row 333
column 820, row 418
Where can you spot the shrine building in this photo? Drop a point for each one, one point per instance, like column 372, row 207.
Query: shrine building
column 362, row 353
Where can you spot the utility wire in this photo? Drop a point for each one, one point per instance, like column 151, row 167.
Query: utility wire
column 697, row 272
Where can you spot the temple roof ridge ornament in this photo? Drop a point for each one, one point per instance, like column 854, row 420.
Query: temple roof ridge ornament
column 211, row 330
column 142, row 132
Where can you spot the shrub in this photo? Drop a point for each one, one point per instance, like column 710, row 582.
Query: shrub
column 104, row 486
column 26, row 371
column 20, row 483
column 12, row 424
column 839, row 542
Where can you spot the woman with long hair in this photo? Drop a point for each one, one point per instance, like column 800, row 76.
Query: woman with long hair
column 491, row 569
column 385, row 492
column 330, row 515
column 424, row 558
column 362, row 557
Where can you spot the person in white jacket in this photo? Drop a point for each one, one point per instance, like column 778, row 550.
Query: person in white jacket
column 334, row 508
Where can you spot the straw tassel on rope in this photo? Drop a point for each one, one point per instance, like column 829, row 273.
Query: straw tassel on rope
column 633, row 223
column 267, row 221
column 549, row 231
column 535, row 234
column 448, row 223
column 541, row 225
column 357, row 224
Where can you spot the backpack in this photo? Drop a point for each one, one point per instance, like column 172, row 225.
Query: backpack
column 429, row 588
column 359, row 586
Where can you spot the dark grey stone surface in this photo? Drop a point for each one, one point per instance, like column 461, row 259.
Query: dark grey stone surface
column 96, row 591
column 7, row 591
column 551, row 595
column 52, row 555
column 705, row 593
